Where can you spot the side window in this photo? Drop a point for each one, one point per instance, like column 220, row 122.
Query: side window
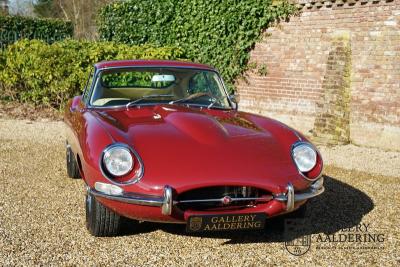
column 198, row 84
column 203, row 82
column 86, row 91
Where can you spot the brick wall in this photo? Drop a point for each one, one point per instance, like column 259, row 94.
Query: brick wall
column 293, row 74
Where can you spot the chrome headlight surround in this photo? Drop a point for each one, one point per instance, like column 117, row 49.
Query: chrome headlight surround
column 134, row 170
column 306, row 152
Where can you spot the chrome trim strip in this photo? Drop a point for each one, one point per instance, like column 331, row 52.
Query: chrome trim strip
column 166, row 202
column 157, row 67
column 297, row 135
column 166, row 208
column 220, row 199
column 142, row 200
column 290, row 197
column 307, row 195
column 123, row 107
column 300, row 196
column 280, row 197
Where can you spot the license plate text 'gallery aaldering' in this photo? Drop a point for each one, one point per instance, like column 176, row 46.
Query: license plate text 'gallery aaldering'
column 226, row 222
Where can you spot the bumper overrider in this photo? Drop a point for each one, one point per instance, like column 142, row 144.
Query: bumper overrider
column 166, row 202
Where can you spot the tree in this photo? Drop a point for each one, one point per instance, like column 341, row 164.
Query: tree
column 47, row 9
column 3, row 7
column 82, row 13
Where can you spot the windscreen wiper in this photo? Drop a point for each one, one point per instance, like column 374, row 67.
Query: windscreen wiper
column 214, row 100
column 189, row 97
column 145, row 97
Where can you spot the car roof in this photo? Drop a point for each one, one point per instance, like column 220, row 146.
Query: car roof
column 150, row 63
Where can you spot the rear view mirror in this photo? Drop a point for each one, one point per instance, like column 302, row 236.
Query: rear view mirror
column 163, row 78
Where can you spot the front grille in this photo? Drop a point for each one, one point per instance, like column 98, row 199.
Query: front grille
column 222, row 198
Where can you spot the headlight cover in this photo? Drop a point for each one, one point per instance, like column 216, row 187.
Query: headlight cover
column 118, row 160
column 305, row 157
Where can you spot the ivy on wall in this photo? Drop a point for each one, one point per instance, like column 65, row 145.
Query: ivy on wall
column 13, row 28
column 49, row 74
column 218, row 33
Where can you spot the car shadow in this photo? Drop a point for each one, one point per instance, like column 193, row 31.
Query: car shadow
column 341, row 206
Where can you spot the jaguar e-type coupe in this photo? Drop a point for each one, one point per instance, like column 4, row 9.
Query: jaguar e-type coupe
column 163, row 141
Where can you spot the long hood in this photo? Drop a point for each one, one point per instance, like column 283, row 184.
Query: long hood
column 191, row 147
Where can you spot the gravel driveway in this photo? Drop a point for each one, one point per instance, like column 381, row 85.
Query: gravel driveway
column 42, row 218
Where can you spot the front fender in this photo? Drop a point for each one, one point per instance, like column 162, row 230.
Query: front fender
column 94, row 138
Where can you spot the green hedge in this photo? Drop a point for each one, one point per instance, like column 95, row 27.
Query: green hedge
column 49, row 74
column 13, row 28
column 219, row 33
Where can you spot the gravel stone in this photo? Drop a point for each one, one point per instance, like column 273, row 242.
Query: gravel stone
column 371, row 160
column 42, row 219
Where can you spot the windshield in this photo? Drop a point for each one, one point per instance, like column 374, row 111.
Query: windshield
column 139, row 86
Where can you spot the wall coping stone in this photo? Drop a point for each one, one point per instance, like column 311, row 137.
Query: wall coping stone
column 317, row 4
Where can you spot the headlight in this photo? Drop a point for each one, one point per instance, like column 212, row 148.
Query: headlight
column 305, row 157
column 118, row 160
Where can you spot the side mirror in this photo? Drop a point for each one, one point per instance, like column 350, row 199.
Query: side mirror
column 235, row 101
column 76, row 104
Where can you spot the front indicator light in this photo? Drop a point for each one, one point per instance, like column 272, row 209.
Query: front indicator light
column 108, row 189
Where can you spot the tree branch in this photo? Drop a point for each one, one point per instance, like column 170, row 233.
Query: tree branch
column 63, row 10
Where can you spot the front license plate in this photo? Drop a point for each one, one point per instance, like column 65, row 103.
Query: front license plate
column 200, row 223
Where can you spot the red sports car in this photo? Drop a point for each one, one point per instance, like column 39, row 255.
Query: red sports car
column 162, row 141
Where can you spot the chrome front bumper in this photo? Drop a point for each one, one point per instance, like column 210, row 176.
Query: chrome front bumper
column 290, row 198
column 166, row 202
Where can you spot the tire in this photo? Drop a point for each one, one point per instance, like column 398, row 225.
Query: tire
column 101, row 221
column 72, row 165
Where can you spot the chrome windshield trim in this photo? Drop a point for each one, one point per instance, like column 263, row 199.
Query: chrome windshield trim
column 99, row 70
column 156, row 103
column 157, row 67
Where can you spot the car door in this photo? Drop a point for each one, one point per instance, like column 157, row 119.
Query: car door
column 76, row 117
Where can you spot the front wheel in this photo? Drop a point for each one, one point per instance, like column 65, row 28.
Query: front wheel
column 72, row 165
column 101, row 221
